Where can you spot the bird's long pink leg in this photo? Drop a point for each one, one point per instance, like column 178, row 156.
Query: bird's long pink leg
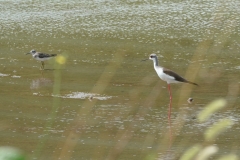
column 170, row 103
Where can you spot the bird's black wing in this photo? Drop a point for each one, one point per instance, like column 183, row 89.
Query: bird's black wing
column 177, row 77
column 173, row 74
column 45, row 55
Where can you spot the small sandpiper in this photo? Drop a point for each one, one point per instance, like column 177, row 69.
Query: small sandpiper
column 41, row 56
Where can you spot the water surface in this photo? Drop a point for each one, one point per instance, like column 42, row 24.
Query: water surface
column 110, row 104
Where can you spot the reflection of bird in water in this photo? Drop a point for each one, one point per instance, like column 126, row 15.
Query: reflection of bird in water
column 41, row 56
column 168, row 76
column 40, row 82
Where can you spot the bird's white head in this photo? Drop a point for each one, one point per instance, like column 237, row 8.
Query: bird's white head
column 153, row 57
column 32, row 52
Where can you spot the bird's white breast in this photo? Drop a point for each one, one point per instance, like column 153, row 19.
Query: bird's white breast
column 163, row 76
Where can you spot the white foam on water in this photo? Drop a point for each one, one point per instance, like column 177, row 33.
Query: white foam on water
column 83, row 95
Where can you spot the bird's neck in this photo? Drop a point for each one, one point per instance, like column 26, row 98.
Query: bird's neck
column 155, row 62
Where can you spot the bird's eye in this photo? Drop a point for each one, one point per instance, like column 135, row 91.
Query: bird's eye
column 151, row 56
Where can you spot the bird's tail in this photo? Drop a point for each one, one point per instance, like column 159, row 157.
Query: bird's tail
column 53, row 55
column 192, row 83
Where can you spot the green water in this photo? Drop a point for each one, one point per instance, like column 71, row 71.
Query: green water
column 110, row 104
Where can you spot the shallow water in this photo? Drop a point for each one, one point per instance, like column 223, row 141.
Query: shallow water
column 110, row 104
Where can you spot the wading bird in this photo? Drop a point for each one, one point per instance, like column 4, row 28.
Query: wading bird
column 41, row 56
column 167, row 76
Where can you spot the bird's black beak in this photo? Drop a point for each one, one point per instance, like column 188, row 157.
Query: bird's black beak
column 27, row 53
column 145, row 59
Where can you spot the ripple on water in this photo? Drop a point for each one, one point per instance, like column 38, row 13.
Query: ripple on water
column 238, row 67
column 3, row 75
column 123, row 20
column 83, row 95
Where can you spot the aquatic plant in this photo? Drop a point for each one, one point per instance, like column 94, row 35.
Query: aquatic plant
column 206, row 149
